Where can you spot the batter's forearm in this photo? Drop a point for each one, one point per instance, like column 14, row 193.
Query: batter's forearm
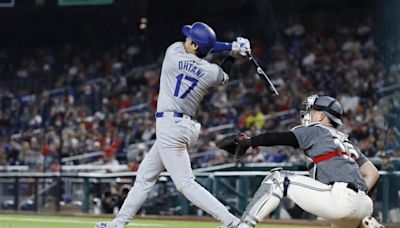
column 227, row 64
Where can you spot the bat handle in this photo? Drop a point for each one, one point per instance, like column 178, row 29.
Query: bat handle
column 248, row 53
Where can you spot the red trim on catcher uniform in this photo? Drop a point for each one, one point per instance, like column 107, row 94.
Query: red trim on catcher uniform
column 329, row 155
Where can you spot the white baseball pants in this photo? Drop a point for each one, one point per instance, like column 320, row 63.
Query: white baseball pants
column 338, row 204
column 170, row 151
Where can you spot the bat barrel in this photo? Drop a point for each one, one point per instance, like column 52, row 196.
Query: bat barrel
column 269, row 85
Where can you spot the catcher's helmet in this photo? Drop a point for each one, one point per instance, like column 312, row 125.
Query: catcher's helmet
column 329, row 105
column 202, row 35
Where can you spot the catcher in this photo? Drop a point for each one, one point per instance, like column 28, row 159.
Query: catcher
column 341, row 175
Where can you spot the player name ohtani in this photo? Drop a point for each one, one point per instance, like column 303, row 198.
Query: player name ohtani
column 191, row 68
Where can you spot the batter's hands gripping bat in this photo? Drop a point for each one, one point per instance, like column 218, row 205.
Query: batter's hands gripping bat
column 268, row 84
column 225, row 46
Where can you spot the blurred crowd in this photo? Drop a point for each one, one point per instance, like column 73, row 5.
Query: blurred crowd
column 57, row 103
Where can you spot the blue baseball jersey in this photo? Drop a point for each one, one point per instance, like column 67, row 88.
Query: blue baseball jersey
column 185, row 79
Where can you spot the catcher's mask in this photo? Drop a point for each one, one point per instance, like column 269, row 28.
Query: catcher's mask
column 329, row 105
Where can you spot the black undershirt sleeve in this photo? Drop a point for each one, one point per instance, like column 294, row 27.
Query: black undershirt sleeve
column 227, row 64
column 286, row 138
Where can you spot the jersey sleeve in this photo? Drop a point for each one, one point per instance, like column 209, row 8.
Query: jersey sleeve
column 221, row 76
column 305, row 136
column 361, row 158
column 175, row 48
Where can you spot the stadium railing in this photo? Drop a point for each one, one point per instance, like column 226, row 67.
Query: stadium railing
column 36, row 191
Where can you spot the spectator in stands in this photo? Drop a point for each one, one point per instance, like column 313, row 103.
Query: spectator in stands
column 109, row 201
column 393, row 190
column 255, row 156
column 3, row 158
column 256, row 118
column 108, row 109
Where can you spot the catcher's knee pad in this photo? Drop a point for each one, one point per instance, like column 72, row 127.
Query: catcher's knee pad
column 266, row 199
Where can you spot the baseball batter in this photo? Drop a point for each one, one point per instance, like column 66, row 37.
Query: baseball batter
column 341, row 174
column 185, row 78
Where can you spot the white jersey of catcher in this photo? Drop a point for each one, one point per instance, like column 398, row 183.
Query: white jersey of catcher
column 185, row 79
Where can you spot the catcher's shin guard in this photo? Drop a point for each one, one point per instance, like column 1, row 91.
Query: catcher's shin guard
column 265, row 200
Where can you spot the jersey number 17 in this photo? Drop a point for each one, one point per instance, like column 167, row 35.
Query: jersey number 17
column 179, row 82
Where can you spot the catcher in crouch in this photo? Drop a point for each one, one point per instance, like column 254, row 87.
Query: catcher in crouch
column 341, row 175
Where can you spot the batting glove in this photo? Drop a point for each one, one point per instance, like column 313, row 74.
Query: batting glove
column 241, row 46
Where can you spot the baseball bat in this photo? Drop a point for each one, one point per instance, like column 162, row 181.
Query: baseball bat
column 268, row 84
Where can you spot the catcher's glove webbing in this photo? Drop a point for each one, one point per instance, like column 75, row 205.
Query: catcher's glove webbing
column 235, row 144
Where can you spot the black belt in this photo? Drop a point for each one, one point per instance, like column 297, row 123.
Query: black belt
column 352, row 187
column 172, row 114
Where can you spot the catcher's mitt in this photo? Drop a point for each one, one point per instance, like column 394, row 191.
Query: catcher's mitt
column 235, row 144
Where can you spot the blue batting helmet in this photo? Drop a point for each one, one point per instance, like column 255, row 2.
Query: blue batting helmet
column 202, row 35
